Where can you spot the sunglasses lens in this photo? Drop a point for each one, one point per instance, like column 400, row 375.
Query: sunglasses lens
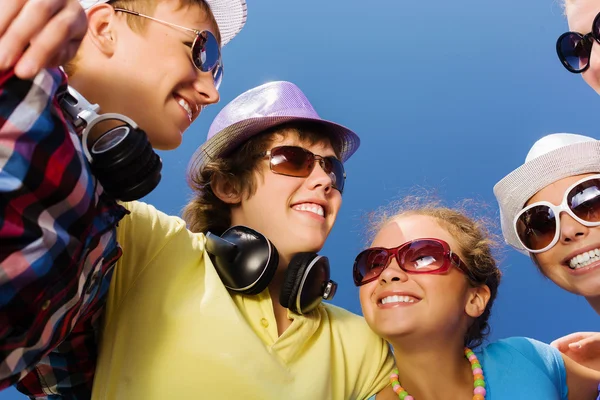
column 369, row 264
column 584, row 200
column 218, row 75
column 292, row 161
column 422, row 256
column 596, row 27
column 206, row 55
column 574, row 51
column 298, row 162
column 536, row 227
column 335, row 169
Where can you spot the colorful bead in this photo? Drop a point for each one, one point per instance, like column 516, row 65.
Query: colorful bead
column 478, row 381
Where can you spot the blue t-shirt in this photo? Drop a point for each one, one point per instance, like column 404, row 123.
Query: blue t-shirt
column 522, row 368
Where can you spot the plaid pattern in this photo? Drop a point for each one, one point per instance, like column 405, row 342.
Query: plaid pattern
column 57, row 230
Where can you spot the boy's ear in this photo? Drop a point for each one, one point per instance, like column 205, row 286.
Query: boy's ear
column 101, row 32
column 225, row 190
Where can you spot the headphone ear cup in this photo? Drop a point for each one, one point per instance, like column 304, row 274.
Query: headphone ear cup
column 250, row 267
column 269, row 273
column 130, row 169
column 293, row 280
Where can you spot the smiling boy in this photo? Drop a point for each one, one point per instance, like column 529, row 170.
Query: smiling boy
column 159, row 63
column 172, row 327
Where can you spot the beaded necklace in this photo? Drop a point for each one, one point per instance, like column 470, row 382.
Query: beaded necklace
column 478, row 381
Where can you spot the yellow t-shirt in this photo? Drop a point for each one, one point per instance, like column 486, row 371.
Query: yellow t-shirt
column 173, row 331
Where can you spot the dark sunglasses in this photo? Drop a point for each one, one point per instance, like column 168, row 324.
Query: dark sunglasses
column 206, row 52
column 298, row 162
column 574, row 49
column 538, row 225
column 421, row 256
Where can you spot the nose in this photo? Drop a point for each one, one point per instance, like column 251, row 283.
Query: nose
column 319, row 178
column 393, row 273
column 205, row 86
column 571, row 230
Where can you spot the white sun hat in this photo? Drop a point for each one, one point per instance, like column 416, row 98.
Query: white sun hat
column 550, row 159
column 230, row 15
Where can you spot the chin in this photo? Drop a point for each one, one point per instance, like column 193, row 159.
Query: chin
column 589, row 288
column 298, row 246
column 390, row 331
column 162, row 141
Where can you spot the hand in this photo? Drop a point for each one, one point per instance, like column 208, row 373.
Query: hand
column 581, row 347
column 36, row 34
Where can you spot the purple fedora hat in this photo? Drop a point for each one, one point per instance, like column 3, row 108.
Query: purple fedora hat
column 259, row 109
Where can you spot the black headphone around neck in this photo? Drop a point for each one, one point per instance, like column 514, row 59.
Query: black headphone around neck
column 246, row 262
column 122, row 158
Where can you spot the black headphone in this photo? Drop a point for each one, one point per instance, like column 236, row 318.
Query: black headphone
column 246, row 262
column 122, row 159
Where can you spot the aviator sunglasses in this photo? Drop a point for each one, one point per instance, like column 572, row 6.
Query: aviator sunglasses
column 206, row 52
column 298, row 162
column 574, row 49
column 420, row 256
column 538, row 225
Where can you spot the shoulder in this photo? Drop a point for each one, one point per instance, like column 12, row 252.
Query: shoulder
column 346, row 321
column 523, row 361
column 147, row 233
column 341, row 315
column 522, row 346
column 147, row 216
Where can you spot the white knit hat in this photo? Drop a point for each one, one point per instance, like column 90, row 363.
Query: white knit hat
column 230, row 15
column 550, row 159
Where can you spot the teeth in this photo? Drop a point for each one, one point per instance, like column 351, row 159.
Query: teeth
column 397, row 299
column 186, row 107
column 584, row 259
column 313, row 208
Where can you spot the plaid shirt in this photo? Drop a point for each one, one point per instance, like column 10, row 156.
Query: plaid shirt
column 58, row 244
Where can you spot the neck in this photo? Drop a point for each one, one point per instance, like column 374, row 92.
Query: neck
column 432, row 369
column 81, row 82
column 281, row 313
column 595, row 303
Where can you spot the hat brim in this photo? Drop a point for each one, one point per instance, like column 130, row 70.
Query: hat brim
column 230, row 138
column 515, row 189
column 231, row 16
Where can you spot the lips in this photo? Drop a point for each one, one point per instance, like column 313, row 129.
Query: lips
column 398, row 299
column 190, row 107
column 390, row 298
column 582, row 257
column 310, row 207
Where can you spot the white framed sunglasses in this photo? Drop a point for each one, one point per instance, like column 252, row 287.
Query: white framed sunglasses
column 538, row 225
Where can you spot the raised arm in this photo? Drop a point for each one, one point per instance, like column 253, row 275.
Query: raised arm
column 36, row 34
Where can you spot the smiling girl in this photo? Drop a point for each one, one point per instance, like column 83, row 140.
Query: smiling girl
column 427, row 284
column 550, row 210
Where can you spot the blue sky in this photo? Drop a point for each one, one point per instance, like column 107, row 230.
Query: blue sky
column 446, row 95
